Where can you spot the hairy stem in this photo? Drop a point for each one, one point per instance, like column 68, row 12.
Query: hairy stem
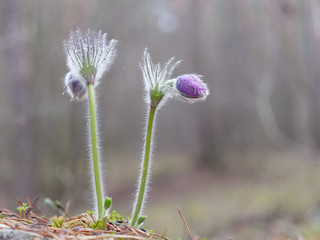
column 145, row 167
column 94, row 146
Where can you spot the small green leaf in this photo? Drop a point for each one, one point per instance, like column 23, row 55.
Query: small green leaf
column 101, row 224
column 1, row 216
column 57, row 223
column 107, row 203
column 141, row 219
column 20, row 208
column 25, row 205
column 114, row 216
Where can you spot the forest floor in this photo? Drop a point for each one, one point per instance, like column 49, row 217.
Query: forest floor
column 28, row 225
column 269, row 196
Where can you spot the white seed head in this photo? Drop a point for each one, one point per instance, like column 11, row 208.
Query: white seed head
column 89, row 54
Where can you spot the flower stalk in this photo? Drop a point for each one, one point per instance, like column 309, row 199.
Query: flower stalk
column 89, row 56
column 145, row 167
column 94, row 150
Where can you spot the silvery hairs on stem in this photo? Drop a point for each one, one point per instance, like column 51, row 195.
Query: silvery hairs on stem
column 89, row 56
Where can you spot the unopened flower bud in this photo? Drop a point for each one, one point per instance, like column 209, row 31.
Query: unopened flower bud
column 191, row 86
column 76, row 88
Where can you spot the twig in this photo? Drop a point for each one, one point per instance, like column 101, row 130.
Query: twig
column 67, row 208
column 185, row 223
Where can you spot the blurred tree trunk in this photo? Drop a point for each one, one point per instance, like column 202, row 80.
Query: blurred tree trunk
column 295, row 49
column 313, row 63
column 21, row 138
column 266, row 77
column 210, row 151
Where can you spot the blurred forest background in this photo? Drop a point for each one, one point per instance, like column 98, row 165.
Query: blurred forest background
column 244, row 163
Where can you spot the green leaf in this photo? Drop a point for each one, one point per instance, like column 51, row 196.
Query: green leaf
column 57, row 223
column 114, row 216
column 101, row 224
column 141, row 219
column 20, row 208
column 107, row 203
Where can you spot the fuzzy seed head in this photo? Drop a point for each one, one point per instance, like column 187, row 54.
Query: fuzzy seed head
column 89, row 54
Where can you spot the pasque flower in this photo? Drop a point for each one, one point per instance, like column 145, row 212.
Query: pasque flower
column 159, row 87
column 88, row 56
column 191, row 88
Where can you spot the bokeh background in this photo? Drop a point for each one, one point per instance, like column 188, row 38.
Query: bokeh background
column 244, row 163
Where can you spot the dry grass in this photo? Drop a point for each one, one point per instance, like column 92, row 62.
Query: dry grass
column 76, row 227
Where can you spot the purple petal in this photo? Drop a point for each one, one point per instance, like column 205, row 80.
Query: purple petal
column 191, row 86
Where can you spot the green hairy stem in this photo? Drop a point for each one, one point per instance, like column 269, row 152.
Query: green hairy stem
column 144, row 173
column 94, row 146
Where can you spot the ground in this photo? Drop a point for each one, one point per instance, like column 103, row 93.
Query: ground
column 270, row 196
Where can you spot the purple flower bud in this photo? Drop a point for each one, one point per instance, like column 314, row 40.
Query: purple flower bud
column 76, row 88
column 191, row 86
